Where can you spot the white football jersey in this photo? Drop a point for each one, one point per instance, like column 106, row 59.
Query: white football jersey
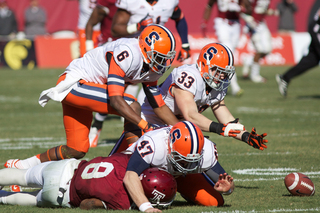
column 153, row 148
column 93, row 66
column 186, row 77
column 228, row 6
column 85, row 9
column 160, row 12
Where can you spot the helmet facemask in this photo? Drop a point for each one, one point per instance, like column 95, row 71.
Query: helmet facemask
column 158, row 62
column 185, row 164
column 217, row 77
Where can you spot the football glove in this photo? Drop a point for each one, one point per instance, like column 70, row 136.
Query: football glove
column 256, row 141
column 150, row 127
column 230, row 129
column 147, row 20
column 184, row 52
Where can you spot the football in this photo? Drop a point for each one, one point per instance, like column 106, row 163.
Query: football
column 299, row 184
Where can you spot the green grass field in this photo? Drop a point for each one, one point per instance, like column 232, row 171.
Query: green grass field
column 292, row 124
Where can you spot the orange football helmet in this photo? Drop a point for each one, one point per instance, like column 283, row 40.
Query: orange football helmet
column 215, row 64
column 186, row 142
column 157, row 45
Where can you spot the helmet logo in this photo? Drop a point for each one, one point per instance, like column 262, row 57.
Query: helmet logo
column 157, row 195
column 175, row 135
column 208, row 55
column 150, row 39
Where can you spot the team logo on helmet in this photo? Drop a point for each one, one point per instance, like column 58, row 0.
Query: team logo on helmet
column 152, row 38
column 185, row 148
column 157, row 46
column 157, row 195
column 209, row 53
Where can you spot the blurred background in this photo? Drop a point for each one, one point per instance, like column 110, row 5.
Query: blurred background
column 59, row 45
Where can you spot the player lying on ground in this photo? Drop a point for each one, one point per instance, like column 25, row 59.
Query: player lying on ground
column 93, row 184
column 192, row 159
column 181, row 150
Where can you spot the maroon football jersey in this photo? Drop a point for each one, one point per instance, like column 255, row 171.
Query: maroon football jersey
column 101, row 178
column 106, row 23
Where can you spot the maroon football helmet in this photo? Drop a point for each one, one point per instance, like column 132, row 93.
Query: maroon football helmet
column 159, row 186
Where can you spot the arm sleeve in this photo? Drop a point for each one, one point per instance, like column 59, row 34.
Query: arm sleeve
column 136, row 163
column 214, row 172
column 153, row 95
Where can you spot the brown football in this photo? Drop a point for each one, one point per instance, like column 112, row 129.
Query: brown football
column 299, row 184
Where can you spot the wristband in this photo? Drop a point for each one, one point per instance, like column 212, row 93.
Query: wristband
column 132, row 28
column 227, row 193
column 214, row 126
column 185, row 45
column 89, row 45
column 245, row 136
column 142, row 124
column 143, row 207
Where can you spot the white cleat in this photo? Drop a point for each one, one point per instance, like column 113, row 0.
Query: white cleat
column 94, row 136
column 258, row 79
column 283, row 85
column 12, row 163
column 15, row 188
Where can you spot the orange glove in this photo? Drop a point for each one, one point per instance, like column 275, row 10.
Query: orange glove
column 255, row 140
column 184, row 52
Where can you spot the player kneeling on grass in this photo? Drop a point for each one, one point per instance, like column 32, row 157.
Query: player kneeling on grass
column 93, row 184
column 190, row 89
column 96, row 83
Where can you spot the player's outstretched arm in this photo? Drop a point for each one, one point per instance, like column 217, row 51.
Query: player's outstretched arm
column 255, row 140
column 225, row 184
column 134, row 187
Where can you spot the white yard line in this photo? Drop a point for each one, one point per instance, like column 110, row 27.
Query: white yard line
column 275, row 111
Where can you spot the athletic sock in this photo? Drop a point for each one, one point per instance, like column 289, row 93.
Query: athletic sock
column 28, row 163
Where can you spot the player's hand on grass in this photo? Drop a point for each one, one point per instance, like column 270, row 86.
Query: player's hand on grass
column 153, row 210
column 225, row 184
